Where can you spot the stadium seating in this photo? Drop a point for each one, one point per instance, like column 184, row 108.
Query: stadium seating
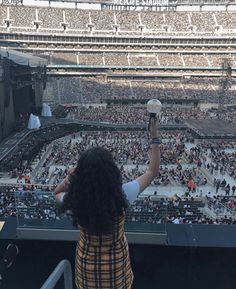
column 95, row 89
column 37, row 203
column 56, row 20
column 144, row 59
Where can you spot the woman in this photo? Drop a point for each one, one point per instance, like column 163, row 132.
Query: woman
column 98, row 200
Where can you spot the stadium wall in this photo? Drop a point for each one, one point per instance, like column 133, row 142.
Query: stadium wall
column 7, row 115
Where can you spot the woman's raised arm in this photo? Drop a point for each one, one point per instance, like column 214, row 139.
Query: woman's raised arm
column 134, row 188
column 154, row 165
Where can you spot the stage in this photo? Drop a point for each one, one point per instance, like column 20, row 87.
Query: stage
column 212, row 129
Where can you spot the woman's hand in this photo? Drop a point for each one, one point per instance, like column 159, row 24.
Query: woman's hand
column 71, row 171
column 65, row 184
column 154, row 127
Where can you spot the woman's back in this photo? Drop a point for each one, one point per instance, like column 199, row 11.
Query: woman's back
column 103, row 261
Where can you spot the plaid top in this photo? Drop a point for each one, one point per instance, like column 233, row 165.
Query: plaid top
column 103, row 262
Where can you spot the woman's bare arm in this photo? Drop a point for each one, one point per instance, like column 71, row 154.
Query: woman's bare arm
column 154, row 165
column 63, row 187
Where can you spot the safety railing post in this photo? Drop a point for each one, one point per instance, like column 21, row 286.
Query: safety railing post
column 63, row 268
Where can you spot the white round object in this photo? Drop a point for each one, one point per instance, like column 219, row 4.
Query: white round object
column 154, row 106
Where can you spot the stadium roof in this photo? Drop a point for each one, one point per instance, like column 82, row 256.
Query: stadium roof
column 22, row 58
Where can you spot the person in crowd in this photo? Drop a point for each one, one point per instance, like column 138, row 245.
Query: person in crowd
column 98, row 200
column 217, row 186
column 223, row 183
column 227, row 189
column 233, row 189
column 190, row 185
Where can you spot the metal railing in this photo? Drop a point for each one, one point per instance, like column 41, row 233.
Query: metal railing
column 64, row 267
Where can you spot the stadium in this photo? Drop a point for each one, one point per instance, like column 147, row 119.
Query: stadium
column 79, row 74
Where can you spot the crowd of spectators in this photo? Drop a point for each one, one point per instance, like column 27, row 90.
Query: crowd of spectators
column 7, row 202
column 130, row 152
column 63, row 58
column 67, row 90
column 184, row 175
column 130, row 173
column 39, row 204
column 61, row 20
column 128, row 148
column 128, row 114
column 195, row 60
column 163, row 59
column 223, row 162
column 78, row 90
column 36, row 205
column 223, row 207
column 176, row 210
column 90, row 58
column 218, row 159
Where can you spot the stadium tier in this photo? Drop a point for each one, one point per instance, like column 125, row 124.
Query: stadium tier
column 116, row 52
column 210, row 166
column 122, row 59
column 128, row 114
column 126, row 23
column 38, row 204
column 82, row 90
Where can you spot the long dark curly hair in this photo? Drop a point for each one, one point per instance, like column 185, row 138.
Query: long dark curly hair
column 95, row 197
